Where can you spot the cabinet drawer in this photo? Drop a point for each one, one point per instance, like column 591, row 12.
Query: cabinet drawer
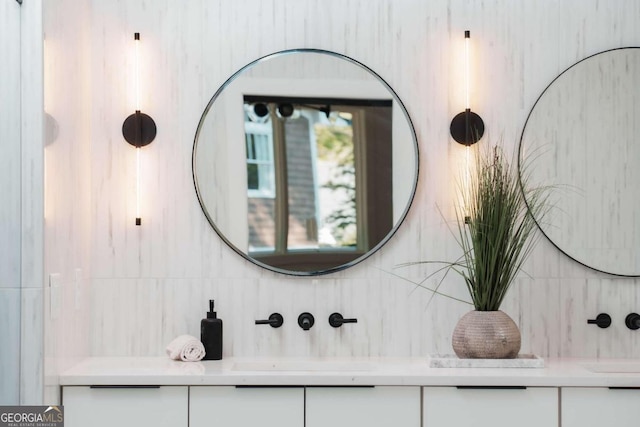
column 490, row 407
column 228, row 406
column 598, row 407
column 125, row 406
column 363, row 406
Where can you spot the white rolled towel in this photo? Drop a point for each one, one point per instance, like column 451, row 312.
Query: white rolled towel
column 186, row 348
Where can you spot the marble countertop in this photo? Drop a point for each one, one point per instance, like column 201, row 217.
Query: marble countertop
column 136, row 371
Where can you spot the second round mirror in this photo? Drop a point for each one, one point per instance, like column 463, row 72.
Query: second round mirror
column 582, row 135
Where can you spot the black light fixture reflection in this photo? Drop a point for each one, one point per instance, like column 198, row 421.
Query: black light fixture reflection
column 286, row 109
column 467, row 127
column 138, row 129
column 260, row 109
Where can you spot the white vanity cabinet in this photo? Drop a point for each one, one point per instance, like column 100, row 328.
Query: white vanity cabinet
column 490, row 407
column 380, row 406
column 165, row 406
column 598, row 407
column 229, row 406
column 394, row 393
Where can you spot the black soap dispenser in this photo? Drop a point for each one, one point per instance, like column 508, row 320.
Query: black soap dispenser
column 211, row 335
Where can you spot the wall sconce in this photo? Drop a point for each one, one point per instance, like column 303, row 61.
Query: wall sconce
column 138, row 129
column 467, row 127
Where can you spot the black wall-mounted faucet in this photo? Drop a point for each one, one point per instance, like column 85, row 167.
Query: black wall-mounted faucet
column 275, row 320
column 306, row 321
column 632, row 321
column 336, row 320
column 602, row 320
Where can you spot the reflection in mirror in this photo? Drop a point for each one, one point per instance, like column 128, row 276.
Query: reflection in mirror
column 327, row 170
column 582, row 134
column 310, row 200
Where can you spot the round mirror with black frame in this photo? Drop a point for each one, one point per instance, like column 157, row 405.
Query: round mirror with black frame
column 305, row 162
column 581, row 138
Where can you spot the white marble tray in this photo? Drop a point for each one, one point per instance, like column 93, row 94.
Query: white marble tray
column 453, row 361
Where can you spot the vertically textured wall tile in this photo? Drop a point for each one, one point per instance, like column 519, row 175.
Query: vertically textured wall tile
column 67, row 91
column 153, row 282
column 32, row 347
column 584, row 300
column 10, row 349
column 10, row 126
column 32, row 131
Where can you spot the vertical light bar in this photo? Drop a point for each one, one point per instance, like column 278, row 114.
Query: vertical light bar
column 138, row 129
column 467, row 127
column 138, row 217
column 136, row 37
column 467, row 184
column 467, row 36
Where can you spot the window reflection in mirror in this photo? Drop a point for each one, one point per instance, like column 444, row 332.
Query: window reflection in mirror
column 260, row 168
column 313, row 190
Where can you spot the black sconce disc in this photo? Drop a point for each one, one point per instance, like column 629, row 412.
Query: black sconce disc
column 139, row 131
column 467, row 128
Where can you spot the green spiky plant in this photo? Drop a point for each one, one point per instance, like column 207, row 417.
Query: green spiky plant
column 496, row 227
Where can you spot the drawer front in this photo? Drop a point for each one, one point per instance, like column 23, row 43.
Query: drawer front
column 490, row 407
column 125, row 406
column 598, row 407
column 363, row 406
column 228, row 406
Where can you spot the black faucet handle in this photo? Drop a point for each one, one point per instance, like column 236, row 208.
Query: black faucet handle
column 306, row 321
column 336, row 320
column 275, row 320
column 602, row 320
column 632, row 321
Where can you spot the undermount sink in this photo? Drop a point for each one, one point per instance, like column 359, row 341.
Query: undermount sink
column 631, row 367
column 302, row 365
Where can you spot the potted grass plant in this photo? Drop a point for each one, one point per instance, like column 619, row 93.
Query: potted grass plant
column 496, row 231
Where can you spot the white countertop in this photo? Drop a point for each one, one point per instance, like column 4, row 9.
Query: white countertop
column 136, row 371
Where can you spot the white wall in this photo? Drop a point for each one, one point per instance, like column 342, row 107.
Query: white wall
column 10, row 292
column 151, row 283
column 67, row 174
column 31, row 204
column 21, row 272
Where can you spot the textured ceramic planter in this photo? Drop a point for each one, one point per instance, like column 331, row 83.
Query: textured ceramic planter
column 486, row 335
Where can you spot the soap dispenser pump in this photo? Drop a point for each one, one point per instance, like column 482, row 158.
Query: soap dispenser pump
column 211, row 334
